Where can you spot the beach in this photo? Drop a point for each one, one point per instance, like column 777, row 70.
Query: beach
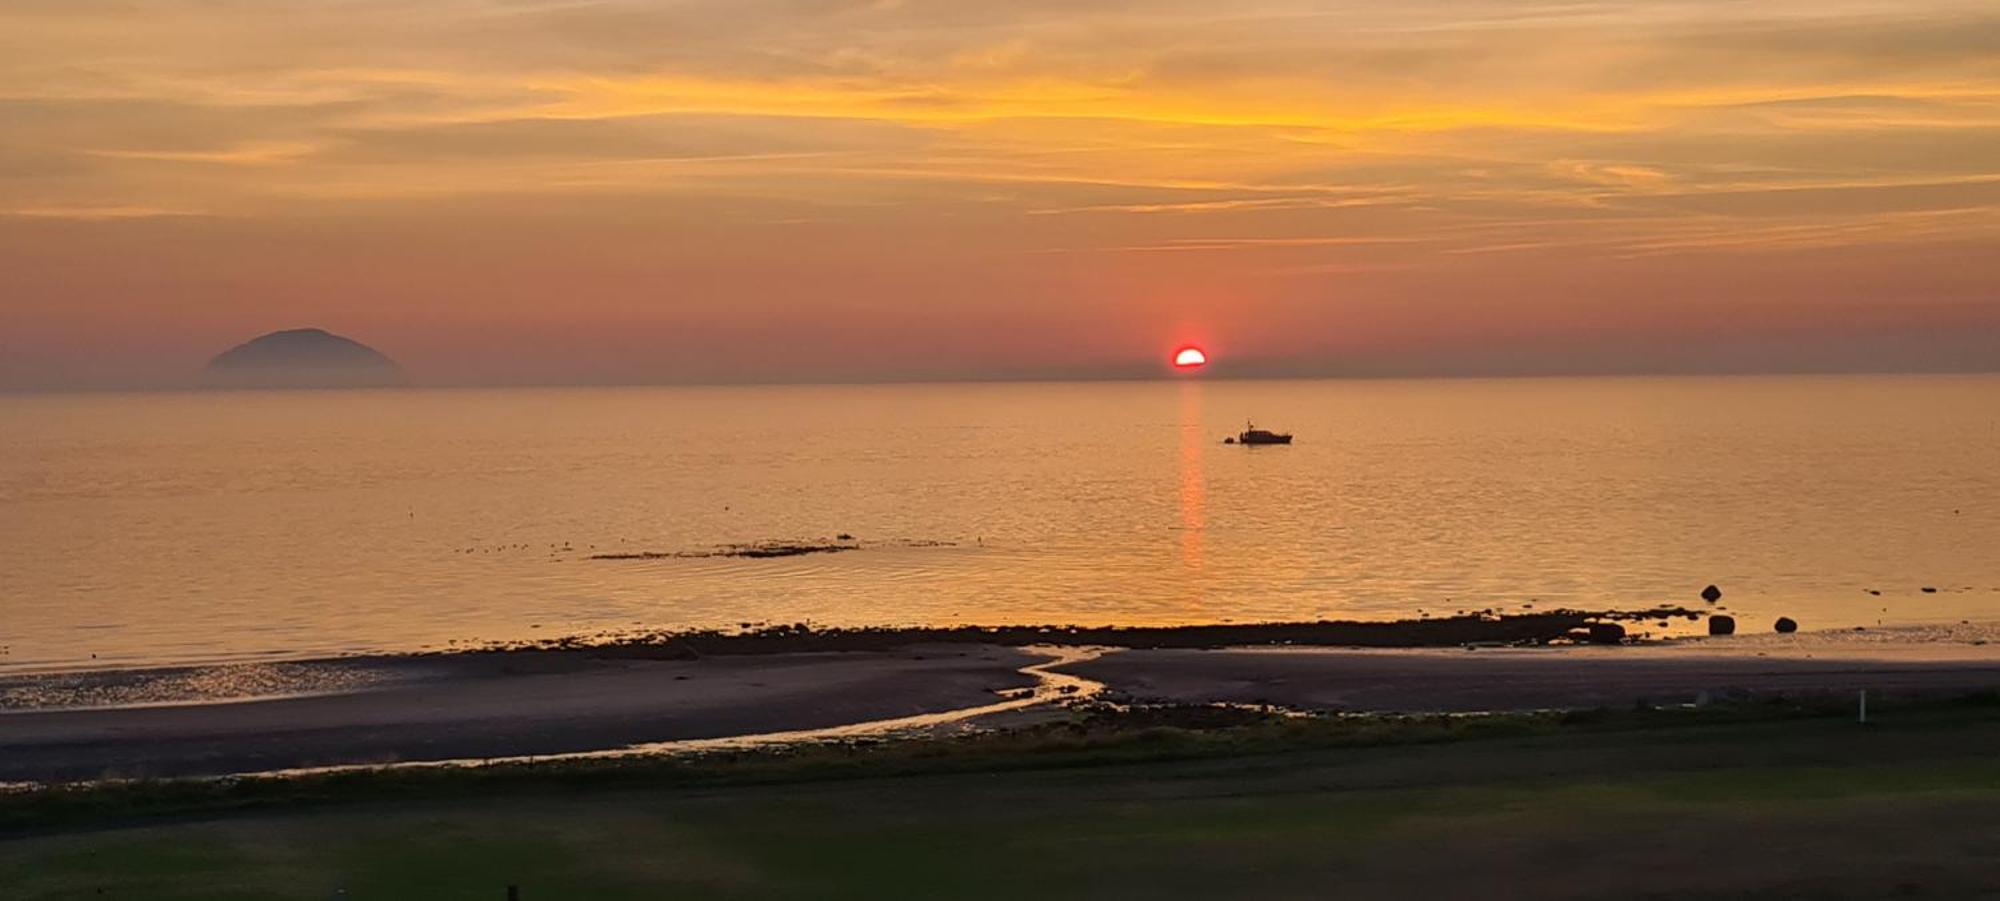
column 537, row 702
column 1510, row 679
column 1758, row 801
column 957, row 768
column 477, row 706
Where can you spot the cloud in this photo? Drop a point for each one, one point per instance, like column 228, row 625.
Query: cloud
column 97, row 213
column 1127, row 161
column 665, row 136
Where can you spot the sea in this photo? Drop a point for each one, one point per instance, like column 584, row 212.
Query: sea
column 170, row 528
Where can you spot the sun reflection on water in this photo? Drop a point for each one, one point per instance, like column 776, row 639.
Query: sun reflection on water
column 1193, row 500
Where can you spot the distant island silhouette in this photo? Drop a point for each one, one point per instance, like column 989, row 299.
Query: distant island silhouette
column 302, row 358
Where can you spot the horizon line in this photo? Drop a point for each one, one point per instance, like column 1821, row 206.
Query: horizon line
column 1052, row 379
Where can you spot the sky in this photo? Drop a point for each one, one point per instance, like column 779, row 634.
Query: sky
column 606, row 191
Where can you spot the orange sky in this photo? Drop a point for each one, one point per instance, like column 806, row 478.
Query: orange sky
column 613, row 191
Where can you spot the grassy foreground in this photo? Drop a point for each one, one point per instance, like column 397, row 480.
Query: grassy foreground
column 1721, row 803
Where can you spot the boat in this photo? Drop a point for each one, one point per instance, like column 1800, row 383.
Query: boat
column 1251, row 434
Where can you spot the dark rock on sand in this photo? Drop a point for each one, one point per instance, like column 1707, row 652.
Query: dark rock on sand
column 1786, row 624
column 1711, row 594
column 1606, row 633
column 1929, row 590
column 1721, row 625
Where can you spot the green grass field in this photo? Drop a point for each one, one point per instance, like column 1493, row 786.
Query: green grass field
column 1809, row 807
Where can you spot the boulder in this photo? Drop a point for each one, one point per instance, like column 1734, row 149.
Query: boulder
column 1711, row 594
column 1721, row 625
column 1606, row 633
column 1785, row 624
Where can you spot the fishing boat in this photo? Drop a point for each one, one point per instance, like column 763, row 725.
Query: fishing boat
column 1251, row 434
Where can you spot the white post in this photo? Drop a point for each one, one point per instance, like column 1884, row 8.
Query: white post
column 1864, row 705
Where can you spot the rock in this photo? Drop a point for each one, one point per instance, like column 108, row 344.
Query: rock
column 1721, row 625
column 1606, row 633
column 1785, row 624
column 1929, row 590
column 1711, row 594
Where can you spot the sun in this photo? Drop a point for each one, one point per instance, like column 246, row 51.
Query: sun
column 1189, row 358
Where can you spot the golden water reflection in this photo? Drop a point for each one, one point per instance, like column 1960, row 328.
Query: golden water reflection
column 1192, row 484
column 200, row 528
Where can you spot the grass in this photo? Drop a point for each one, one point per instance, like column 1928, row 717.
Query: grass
column 1090, row 736
column 1770, row 799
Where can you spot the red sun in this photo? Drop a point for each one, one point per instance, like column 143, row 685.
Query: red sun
column 1190, row 358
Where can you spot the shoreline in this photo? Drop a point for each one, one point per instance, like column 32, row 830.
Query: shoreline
column 1555, row 626
column 540, row 703
column 485, row 706
column 1595, row 799
column 1566, row 632
column 1662, row 622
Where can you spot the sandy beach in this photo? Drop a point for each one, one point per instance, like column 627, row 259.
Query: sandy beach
column 499, row 705
column 1499, row 679
column 476, row 706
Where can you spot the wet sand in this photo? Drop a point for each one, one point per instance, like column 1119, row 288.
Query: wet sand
column 501, row 705
column 532, row 703
column 1512, row 679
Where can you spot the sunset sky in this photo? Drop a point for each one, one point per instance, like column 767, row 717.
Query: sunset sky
column 605, row 191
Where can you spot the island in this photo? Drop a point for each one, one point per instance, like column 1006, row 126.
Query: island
column 302, row 358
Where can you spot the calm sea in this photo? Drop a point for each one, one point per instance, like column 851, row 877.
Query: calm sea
column 169, row 528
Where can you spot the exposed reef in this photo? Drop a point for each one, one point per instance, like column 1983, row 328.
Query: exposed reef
column 1555, row 627
column 766, row 549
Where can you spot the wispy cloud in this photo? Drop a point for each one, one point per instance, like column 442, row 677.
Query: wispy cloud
column 97, row 213
column 1184, row 245
column 1141, row 160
